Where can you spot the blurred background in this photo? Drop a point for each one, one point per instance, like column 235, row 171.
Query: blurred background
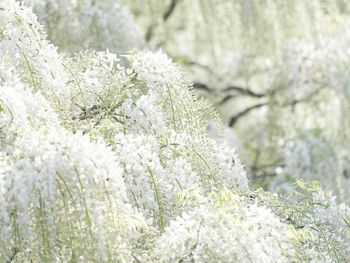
column 278, row 72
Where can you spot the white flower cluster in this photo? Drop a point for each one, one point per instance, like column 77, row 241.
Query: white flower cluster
column 145, row 114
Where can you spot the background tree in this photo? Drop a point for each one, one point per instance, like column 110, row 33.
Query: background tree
column 277, row 73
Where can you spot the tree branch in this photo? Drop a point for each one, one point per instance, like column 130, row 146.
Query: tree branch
column 291, row 103
column 170, row 10
column 227, row 98
column 149, row 33
column 245, row 91
column 15, row 251
column 188, row 62
column 201, row 86
column 236, row 117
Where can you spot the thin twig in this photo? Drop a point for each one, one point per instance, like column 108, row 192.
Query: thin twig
column 15, row 251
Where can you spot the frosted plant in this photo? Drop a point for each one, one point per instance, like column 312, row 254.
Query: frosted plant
column 98, row 25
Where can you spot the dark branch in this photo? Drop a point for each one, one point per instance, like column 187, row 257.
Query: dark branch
column 149, row 33
column 291, row 103
column 236, row 117
column 15, row 251
column 245, row 91
column 227, row 98
column 189, row 62
column 201, row 86
column 170, row 10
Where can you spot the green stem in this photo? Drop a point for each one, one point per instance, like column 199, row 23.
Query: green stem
column 161, row 211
